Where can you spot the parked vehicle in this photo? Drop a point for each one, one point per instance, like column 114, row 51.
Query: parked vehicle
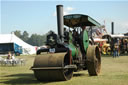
column 10, row 47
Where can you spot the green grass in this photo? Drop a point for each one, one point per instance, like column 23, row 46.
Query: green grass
column 114, row 71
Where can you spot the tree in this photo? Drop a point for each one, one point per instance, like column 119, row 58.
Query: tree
column 34, row 39
column 25, row 36
column 18, row 33
column 37, row 40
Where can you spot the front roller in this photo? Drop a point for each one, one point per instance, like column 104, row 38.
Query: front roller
column 53, row 67
column 93, row 60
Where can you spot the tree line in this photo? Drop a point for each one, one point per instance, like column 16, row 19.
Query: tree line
column 34, row 39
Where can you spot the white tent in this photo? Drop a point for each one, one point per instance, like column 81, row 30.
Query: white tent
column 11, row 38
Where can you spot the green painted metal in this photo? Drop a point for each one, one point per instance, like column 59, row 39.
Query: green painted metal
column 77, row 52
column 71, row 45
column 78, row 20
column 85, row 40
column 70, row 37
column 73, row 49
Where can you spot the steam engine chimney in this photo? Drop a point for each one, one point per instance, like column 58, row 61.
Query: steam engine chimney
column 112, row 29
column 60, row 21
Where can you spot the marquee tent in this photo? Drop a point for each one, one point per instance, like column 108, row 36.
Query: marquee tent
column 12, row 38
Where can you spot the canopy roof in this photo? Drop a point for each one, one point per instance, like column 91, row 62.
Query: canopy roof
column 78, row 20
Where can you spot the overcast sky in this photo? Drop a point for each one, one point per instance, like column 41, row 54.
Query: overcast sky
column 39, row 16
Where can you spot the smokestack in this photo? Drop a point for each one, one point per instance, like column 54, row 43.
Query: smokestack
column 112, row 28
column 60, row 21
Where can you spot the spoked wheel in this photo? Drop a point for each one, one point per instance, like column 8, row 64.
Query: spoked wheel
column 93, row 60
column 52, row 67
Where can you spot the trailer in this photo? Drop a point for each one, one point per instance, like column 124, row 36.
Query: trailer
column 10, row 47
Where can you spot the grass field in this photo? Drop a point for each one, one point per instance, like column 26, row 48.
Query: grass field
column 114, row 71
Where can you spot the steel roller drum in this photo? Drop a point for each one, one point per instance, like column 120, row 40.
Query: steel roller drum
column 51, row 67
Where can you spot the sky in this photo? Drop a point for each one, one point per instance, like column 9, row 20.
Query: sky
column 39, row 16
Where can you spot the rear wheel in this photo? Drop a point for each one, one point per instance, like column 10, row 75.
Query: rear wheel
column 93, row 60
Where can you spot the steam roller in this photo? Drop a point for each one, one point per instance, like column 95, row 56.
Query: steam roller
column 68, row 51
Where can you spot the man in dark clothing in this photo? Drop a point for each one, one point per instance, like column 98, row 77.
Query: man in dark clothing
column 115, row 50
column 75, row 36
column 66, row 35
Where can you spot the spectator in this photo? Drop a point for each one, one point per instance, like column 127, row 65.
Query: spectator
column 9, row 55
column 126, row 45
column 13, row 57
column 115, row 51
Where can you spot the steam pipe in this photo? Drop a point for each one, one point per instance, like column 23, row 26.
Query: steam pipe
column 60, row 21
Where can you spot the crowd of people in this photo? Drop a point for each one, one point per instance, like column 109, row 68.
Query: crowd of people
column 10, row 56
column 11, row 60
